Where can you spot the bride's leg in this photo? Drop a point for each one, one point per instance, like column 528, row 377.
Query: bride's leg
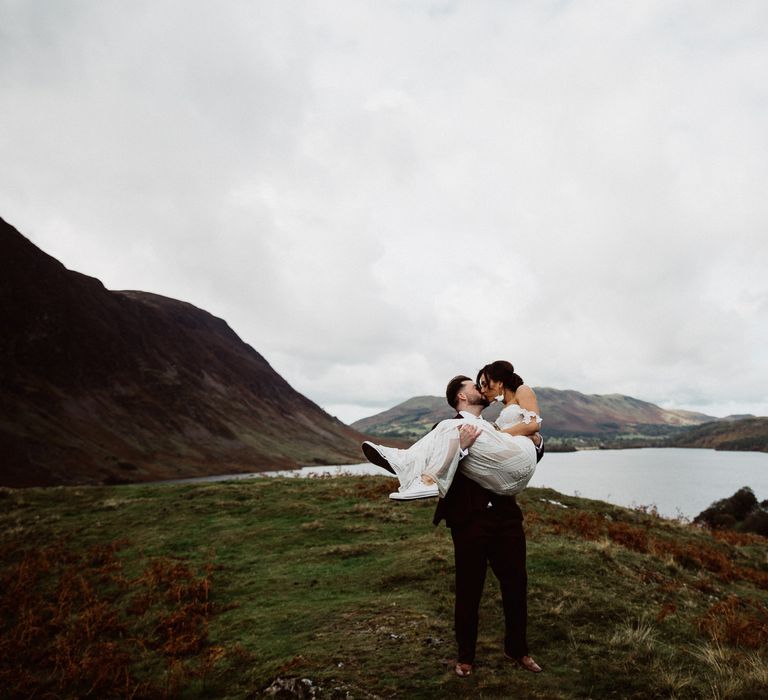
column 431, row 461
column 443, row 462
column 438, row 468
column 409, row 464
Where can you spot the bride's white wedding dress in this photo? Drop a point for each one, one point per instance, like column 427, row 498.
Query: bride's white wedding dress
column 498, row 461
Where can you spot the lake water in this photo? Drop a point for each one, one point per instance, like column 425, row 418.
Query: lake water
column 679, row 482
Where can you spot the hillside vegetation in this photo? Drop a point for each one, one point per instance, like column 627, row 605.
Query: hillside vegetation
column 741, row 512
column 324, row 588
column 747, row 434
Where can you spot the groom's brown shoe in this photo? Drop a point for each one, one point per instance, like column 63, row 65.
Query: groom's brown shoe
column 526, row 662
column 462, row 670
column 373, row 455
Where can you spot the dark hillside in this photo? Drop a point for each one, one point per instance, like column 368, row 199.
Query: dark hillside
column 111, row 386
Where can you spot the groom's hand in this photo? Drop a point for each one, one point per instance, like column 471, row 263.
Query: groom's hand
column 467, row 435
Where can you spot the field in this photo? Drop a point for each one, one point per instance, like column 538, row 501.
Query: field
column 324, row 588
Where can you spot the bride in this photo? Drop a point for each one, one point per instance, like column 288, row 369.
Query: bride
column 501, row 457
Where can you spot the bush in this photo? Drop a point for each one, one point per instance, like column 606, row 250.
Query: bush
column 757, row 522
column 728, row 511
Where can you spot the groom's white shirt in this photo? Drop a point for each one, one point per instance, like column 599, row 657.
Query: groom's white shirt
column 467, row 414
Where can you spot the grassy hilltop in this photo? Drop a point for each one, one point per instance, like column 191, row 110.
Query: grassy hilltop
column 241, row 589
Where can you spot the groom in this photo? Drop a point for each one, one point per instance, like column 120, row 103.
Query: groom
column 486, row 529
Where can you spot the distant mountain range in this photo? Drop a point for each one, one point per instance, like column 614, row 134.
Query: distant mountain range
column 573, row 420
column 565, row 413
column 106, row 386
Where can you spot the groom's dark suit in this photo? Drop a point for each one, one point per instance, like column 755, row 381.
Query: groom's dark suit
column 486, row 529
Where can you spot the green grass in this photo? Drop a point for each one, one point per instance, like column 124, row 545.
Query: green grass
column 326, row 579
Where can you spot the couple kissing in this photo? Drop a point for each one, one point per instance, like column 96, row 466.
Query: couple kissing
column 476, row 468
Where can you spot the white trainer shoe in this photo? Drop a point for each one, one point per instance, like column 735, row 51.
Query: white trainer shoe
column 418, row 489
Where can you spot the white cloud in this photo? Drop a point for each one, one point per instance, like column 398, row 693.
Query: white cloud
column 377, row 196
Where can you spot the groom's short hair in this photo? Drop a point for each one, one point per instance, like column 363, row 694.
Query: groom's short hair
column 453, row 389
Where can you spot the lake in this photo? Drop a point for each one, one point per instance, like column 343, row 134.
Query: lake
column 679, row 482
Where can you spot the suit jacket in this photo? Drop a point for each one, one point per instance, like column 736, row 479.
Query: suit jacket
column 465, row 498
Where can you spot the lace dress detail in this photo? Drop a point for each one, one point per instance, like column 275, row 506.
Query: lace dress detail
column 503, row 463
column 513, row 414
column 498, row 461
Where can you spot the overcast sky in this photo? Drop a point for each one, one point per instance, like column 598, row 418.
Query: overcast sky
column 379, row 195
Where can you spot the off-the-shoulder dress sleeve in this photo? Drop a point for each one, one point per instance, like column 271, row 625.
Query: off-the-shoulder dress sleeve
column 514, row 414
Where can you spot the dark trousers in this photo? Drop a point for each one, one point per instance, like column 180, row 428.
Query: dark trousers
column 488, row 538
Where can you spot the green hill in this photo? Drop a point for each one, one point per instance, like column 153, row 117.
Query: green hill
column 750, row 434
column 324, row 588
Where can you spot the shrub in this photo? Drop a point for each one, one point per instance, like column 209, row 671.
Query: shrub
column 737, row 621
column 757, row 522
column 726, row 512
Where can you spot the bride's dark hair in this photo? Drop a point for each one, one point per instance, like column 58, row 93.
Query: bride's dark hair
column 501, row 371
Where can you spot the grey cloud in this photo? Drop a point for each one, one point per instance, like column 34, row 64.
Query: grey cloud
column 379, row 195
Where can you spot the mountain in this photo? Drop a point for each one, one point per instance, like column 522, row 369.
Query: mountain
column 573, row 413
column 749, row 434
column 107, row 386
column 566, row 413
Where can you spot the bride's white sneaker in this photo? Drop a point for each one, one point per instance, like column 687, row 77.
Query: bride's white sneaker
column 418, row 489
